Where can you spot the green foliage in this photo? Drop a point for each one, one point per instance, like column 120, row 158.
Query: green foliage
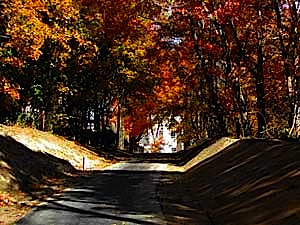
column 283, row 133
column 27, row 120
column 37, row 96
column 61, row 121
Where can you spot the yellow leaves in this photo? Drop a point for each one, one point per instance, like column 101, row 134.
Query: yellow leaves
column 131, row 47
column 169, row 90
column 128, row 73
column 16, row 62
column 29, row 29
column 98, row 17
column 26, row 30
column 63, row 89
column 64, row 9
column 35, row 54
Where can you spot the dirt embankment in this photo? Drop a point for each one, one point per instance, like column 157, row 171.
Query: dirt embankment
column 36, row 164
column 250, row 182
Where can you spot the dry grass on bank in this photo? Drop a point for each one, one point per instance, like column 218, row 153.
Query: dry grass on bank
column 35, row 165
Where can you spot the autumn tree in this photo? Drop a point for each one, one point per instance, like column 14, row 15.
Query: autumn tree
column 223, row 66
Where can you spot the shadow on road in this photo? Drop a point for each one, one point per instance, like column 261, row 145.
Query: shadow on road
column 54, row 205
column 114, row 197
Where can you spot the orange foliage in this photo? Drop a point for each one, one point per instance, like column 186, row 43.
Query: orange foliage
column 138, row 119
column 6, row 87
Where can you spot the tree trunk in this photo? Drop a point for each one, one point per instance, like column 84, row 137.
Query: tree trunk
column 259, row 78
column 132, row 144
column 118, row 126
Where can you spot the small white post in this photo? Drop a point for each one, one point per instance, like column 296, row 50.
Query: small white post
column 83, row 159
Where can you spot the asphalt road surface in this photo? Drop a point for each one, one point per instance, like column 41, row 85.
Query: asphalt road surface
column 116, row 197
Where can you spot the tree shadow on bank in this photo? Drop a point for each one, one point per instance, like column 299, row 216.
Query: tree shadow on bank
column 28, row 171
column 250, row 182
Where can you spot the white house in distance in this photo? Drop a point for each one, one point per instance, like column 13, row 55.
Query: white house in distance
column 167, row 138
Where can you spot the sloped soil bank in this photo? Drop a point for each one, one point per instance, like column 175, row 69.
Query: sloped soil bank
column 34, row 165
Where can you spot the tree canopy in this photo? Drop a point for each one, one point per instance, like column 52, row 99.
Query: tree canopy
column 226, row 67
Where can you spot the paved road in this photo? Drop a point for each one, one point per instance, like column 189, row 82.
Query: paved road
column 125, row 193
column 115, row 197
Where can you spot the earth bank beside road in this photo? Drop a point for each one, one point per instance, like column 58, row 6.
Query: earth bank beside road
column 34, row 165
